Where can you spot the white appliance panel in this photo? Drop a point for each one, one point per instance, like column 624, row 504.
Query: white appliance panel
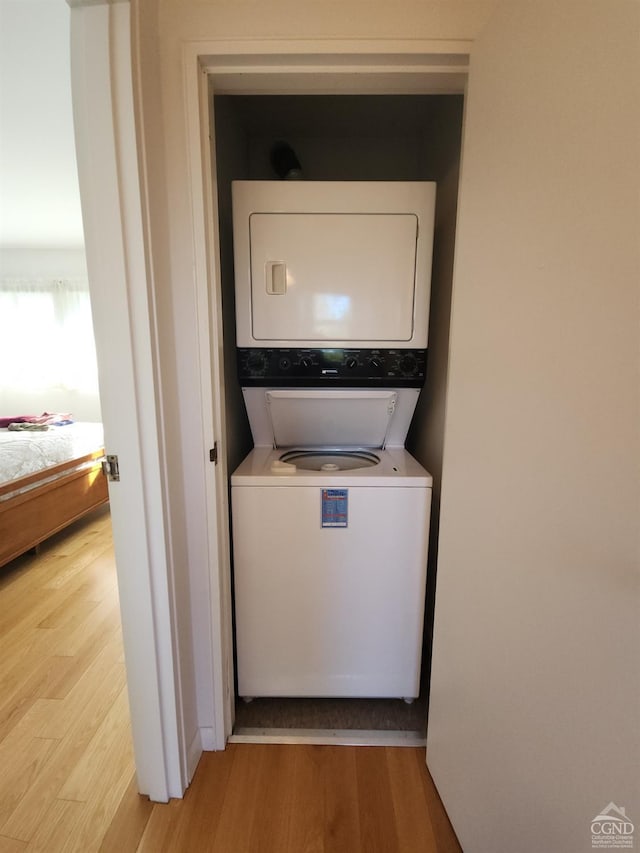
column 333, row 263
column 329, row 611
column 316, row 418
column 324, row 277
column 339, row 426
column 396, row 469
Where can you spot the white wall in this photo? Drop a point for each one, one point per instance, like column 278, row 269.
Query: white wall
column 533, row 725
column 40, row 204
column 41, row 233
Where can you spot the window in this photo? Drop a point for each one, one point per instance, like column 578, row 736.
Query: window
column 46, row 336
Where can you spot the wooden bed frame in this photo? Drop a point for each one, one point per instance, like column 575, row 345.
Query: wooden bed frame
column 53, row 498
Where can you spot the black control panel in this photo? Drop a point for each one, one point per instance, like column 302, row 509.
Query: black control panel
column 314, row 368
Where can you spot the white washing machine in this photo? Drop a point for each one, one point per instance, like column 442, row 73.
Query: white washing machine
column 330, row 512
column 330, row 553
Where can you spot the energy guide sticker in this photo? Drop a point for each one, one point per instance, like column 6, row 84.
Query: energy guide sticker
column 335, row 507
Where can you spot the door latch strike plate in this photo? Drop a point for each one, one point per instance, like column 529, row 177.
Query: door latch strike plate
column 213, row 453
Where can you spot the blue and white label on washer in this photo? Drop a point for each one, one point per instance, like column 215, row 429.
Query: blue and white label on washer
column 335, row 507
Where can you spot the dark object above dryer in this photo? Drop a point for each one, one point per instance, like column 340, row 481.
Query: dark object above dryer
column 285, row 162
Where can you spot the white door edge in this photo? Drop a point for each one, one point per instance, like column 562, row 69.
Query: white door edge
column 108, row 171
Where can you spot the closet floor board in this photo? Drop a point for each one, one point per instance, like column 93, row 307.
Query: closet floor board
column 361, row 714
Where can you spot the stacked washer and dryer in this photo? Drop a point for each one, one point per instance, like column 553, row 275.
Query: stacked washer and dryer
column 330, row 512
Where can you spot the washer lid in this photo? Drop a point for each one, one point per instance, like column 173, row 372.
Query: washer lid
column 317, row 418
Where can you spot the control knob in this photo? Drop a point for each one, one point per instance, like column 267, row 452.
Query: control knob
column 306, row 363
column 257, row 363
column 351, row 363
column 408, row 365
column 375, row 366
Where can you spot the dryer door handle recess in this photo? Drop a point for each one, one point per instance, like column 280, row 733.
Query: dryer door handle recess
column 276, row 278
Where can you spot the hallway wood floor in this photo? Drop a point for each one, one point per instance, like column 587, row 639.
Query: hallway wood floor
column 67, row 781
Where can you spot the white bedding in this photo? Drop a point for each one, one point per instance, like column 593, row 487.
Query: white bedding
column 23, row 453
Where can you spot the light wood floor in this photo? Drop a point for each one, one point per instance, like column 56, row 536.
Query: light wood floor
column 66, row 768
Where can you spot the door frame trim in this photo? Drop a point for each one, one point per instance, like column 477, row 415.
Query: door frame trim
column 270, row 66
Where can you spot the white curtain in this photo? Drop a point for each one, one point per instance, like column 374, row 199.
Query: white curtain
column 46, row 336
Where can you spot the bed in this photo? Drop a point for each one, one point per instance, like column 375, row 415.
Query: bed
column 48, row 479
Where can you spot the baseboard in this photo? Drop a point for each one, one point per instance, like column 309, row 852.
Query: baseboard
column 194, row 752
column 207, row 738
column 333, row 737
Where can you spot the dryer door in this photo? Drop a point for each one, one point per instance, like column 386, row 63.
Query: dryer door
column 333, row 276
